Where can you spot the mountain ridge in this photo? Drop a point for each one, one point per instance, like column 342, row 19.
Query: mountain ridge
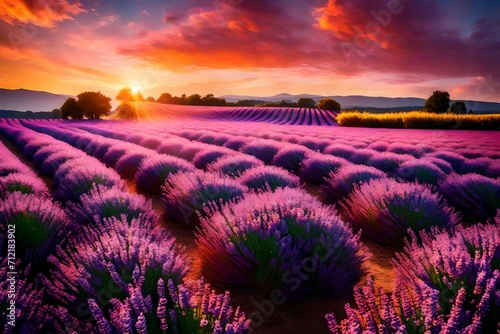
column 24, row 99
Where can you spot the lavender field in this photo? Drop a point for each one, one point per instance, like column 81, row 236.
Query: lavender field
column 250, row 221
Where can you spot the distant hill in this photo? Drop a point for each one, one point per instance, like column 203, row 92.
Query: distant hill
column 368, row 102
column 24, row 100
column 28, row 115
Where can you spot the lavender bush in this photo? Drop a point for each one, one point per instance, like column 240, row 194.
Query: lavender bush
column 236, row 142
column 284, row 240
column 207, row 156
column 318, row 166
column 268, row 177
column 186, row 308
column 385, row 209
column 445, row 283
column 477, row 196
column 462, row 274
column 290, row 157
column 340, row 150
column 185, row 194
column 81, row 179
column 114, row 153
column 154, row 170
column 40, row 225
column 339, row 184
column 102, row 202
column 28, row 314
column 104, row 260
column 128, row 165
column 24, row 183
column 421, row 171
column 51, row 164
column 403, row 148
column 264, row 150
column 234, row 165
column 443, row 165
column 388, row 162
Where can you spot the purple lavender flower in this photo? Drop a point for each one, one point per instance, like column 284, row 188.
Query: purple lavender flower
column 234, row 165
column 340, row 150
column 477, row 196
column 209, row 155
column 388, row 162
column 236, row 142
column 385, row 209
column 24, row 183
column 264, row 150
column 285, row 240
column 104, row 261
column 39, row 223
column 290, row 157
column 339, row 184
column 81, row 179
column 102, row 202
column 186, row 194
column 421, row 171
column 154, row 170
column 268, row 178
column 128, row 164
column 318, row 166
column 403, row 148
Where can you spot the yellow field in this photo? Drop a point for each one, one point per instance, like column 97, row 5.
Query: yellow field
column 419, row 120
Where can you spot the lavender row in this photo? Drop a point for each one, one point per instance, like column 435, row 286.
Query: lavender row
column 86, row 311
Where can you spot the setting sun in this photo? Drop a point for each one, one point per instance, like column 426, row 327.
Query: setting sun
column 135, row 90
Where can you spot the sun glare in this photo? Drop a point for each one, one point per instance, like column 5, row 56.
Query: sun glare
column 135, row 90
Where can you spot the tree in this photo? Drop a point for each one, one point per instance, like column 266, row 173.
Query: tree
column 306, row 103
column 458, row 107
column 150, row 99
column 329, row 104
column 438, row 102
column 71, row 109
column 165, row 98
column 94, row 104
column 194, row 100
column 56, row 113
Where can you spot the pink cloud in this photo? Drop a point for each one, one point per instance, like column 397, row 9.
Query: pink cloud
column 41, row 13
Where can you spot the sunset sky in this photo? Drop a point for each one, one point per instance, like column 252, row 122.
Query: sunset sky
column 253, row 47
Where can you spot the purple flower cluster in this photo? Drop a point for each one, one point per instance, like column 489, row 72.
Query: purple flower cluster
column 264, row 150
column 290, row 157
column 388, row 162
column 207, row 156
column 185, row 308
column 29, row 313
column 102, row 202
column 24, row 183
column 186, row 194
column 385, row 209
column 154, row 170
column 339, row 184
column 446, row 282
column 421, row 171
column 234, row 165
column 128, row 164
column 477, row 196
column 80, row 179
column 103, row 260
column 268, row 178
column 40, row 225
column 284, row 240
column 318, row 166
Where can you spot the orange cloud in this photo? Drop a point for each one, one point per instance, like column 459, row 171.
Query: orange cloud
column 41, row 13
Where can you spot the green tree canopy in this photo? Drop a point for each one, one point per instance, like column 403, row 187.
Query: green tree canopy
column 438, row 102
column 94, row 104
column 458, row 107
column 329, row 104
column 71, row 109
column 306, row 103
